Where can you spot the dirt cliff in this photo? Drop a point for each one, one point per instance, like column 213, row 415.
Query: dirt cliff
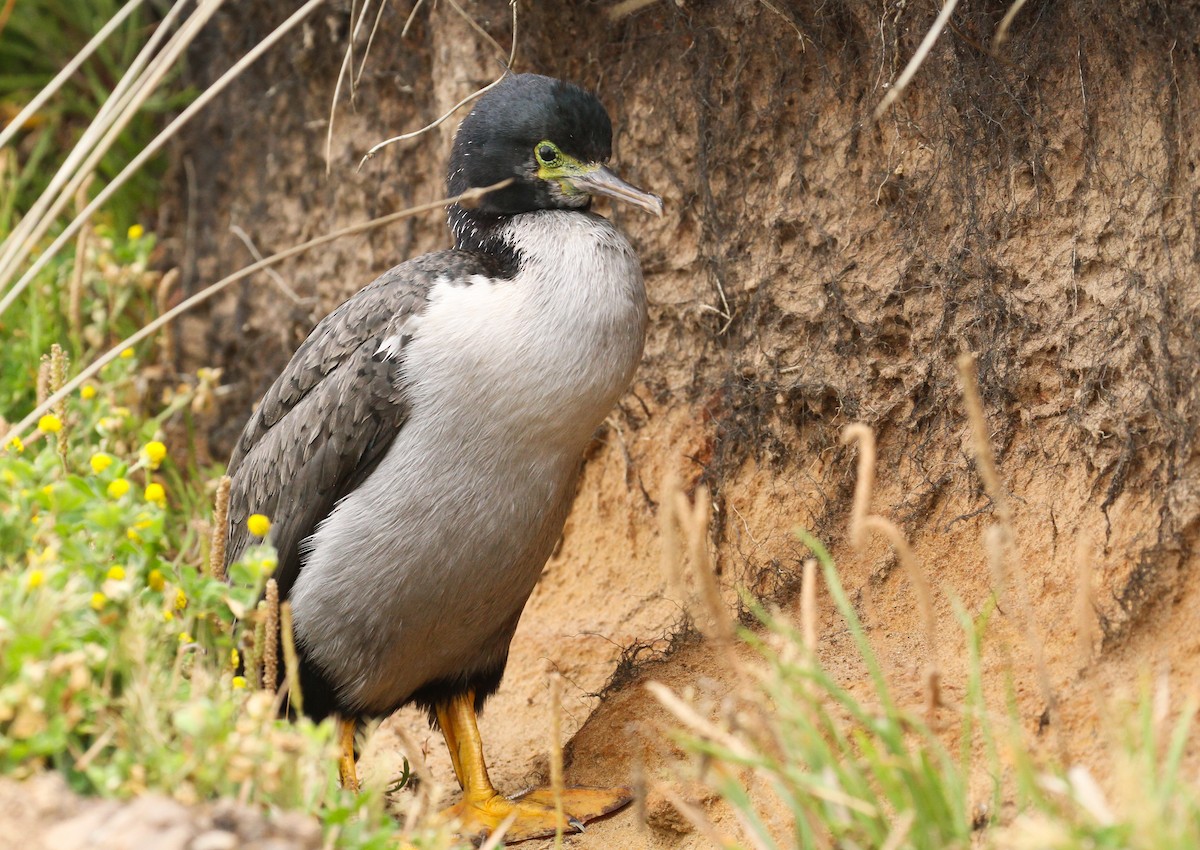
column 1033, row 202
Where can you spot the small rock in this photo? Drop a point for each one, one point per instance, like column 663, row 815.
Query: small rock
column 214, row 839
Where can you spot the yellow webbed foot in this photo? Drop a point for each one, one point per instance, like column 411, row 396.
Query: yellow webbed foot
column 535, row 811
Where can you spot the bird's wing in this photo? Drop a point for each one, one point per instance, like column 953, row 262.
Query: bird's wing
column 328, row 419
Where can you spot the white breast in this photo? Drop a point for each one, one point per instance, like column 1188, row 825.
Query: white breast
column 422, row 572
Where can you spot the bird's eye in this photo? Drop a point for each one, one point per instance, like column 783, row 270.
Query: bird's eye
column 547, row 154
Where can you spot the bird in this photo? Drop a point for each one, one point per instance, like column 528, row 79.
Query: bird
column 418, row 455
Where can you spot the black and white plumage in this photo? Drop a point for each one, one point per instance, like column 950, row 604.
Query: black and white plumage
column 419, row 453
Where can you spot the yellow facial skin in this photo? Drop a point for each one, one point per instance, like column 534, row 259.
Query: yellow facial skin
column 576, row 178
column 555, row 165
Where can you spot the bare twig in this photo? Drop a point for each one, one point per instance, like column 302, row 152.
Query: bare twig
column 203, row 295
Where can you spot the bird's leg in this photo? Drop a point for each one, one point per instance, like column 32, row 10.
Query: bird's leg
column 347, row 772
column 483, row 809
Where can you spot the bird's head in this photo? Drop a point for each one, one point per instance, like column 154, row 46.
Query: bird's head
column 551, row 137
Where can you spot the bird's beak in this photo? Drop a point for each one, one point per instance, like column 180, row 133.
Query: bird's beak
column 598, row 180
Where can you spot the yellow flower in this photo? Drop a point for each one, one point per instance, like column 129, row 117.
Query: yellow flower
column 35, row 579
column 155, row 580
column 87, row 392
column 156, row 494
column 184, row 637
column 239, row 682
column 132, row 535
column 259, row 525
column 235, row 658
column 168, row 616
column 98, row 600
column 117, row 488
column 136, row 231
column 100, row 462
column 116, row 572
column 127, row 353
column 15, row 444
column 155, row 452
column 180, row 599
column 50, row 424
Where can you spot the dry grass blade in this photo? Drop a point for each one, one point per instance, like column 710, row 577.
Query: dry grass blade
column 403, row 137
column 918, row 58
column 370, row 41
column 984, row 458
column 1005, row 23
column 687, row 715
column 135, row 86
column 556, row 754
column 68, row 71
column 203, row 295
column 628, row 7
column 291, row 658
column 343, row 72
column 155, row 145
column 695, row 816
column 496, row 839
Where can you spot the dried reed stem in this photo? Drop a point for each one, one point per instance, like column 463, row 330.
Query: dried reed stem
column 270, row 649
column 219, row 533
column 162, row 302
column 75, row 294
column 291, row 658
column 695, row 816
column 59, row 364
column 808, row 606
column 1085, row 601
column 428, row 790
column 1000, row 539
column 864, row 483
column 693, row 518
column 861, row 521
column 688, row 715
column 556, row 754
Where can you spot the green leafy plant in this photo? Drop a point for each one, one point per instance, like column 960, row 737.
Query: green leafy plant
column 39, row 39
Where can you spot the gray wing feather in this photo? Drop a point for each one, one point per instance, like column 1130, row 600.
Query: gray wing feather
column 331, row 415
